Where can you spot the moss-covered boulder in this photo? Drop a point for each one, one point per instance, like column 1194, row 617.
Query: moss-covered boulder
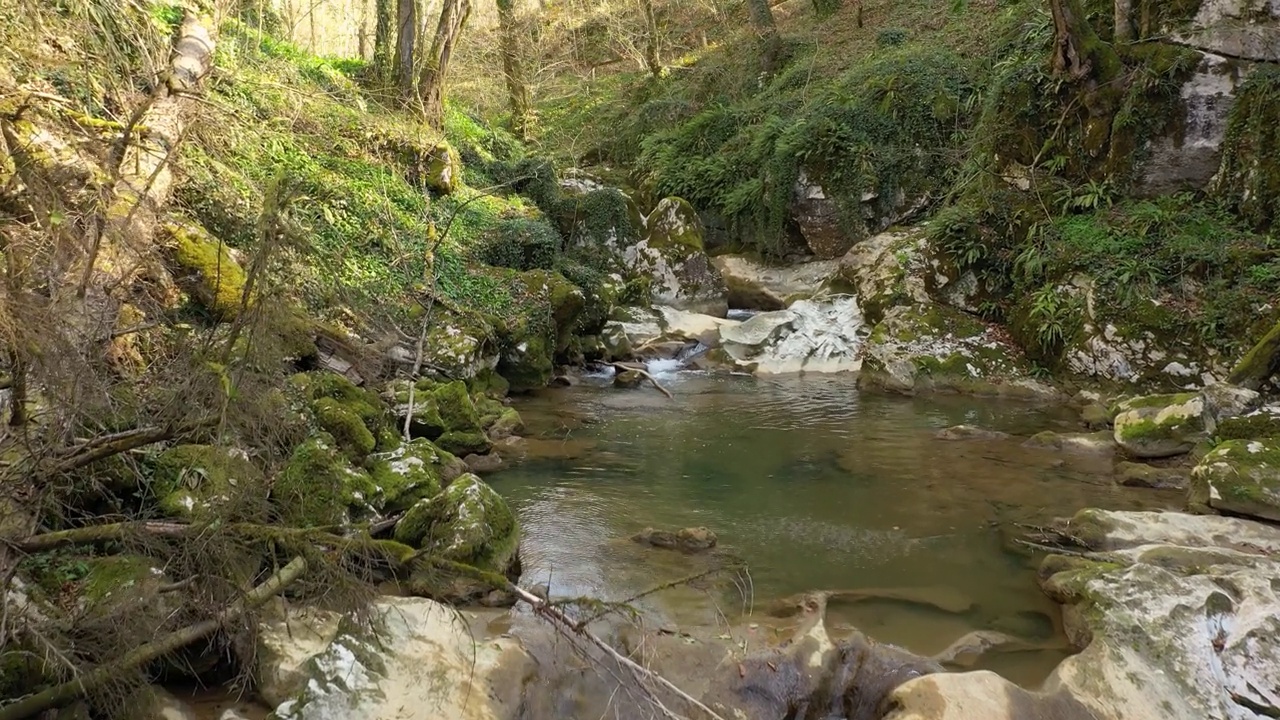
column 1156, row 426
column 1249, row 427
column 414, row 471
column 673, row 260
column 468, row 523
column 886, row 271
column 206, row 268
column 440, row 168
column 320, row 486
column 1240, row 477
column 541, row 326
column 357, row 419
column 931, row 348
column 191, row 481
column 498, row 420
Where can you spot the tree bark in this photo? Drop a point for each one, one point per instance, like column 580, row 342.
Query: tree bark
column 1260, row 363
column 652, row 54
column 60, row 695
column 435, row 66
column 406, row 41
column 382, row 39
column 1124, row 21
column 1077, row 48
column 767, row 32
column 513, row 66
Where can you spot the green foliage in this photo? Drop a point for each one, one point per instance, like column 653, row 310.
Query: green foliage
column 1056, row 317
column 883, row 127
column 521, row 244
column 891, row 37
column 826, row 8
column 1250, row 178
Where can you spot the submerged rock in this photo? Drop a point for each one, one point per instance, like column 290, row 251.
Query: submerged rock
column 969, row 432
column 1241, row 477
column 1157, row 426
column 1132, row 474
column 695, row 539
column 1098, row 442
column 627, row 379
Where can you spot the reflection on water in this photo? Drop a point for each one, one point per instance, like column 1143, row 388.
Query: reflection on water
column 816, row 487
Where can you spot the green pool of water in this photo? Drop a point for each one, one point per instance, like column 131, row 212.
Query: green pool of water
column 815, row 486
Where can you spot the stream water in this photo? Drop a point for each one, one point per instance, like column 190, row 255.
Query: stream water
column 815, row 486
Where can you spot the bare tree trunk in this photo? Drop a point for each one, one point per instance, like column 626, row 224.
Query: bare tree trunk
column 513, row 67
column 382, row 37
column 1124, row 21
column 651, row 51
column 1078, row 51
column 406, row 40
column 435, row 66
column 767, row 32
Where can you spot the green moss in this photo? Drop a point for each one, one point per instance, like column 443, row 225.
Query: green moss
column 1250, row 177
column 197, row 480
column 217, row 279
column 411, row 473
column 465, row 442
column 489, row 382
column 1250, row 427
column 455, row 407
column 467, row 523
column 112, row 575
column 319, row 487
column 346, row 427
column 1153, row 402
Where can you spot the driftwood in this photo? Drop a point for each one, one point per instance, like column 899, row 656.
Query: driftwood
column 645, row 374
column 60, row 695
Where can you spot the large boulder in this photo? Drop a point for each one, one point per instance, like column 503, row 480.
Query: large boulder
column 200, row 481
column 823, row 336
column 467, row 523
column 831, row 225
column 1241, row 477
column 1156, row 426
column 415, row 471
column 754, row 285
column 1177, row 616
column 418, row 661
column 929, row 347
column 888, row 270
column 672, row 258
column 320, row 486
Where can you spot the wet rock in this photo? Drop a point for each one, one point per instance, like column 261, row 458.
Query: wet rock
column 673, row 258
column 811, row 336
column 967, row 649
column 627, row 379
column 1157, row 426
column 1098, row 443
column 969, row 432
column 422, row 659
column 1095, row 416
column 687, row 326
column 159, row 704
column 481, row 464
column 1240, row 477
column 696, row 539
column 283, row 648
column 1142, row 475
column 755, row 286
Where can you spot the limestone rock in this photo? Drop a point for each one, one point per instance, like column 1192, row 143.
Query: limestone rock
column 1223, row 401
column 482, row 464
column 1241, row 477
column 627, row 379
column 969, row 432
column 888, row 270
column 1096, row 442
column 1247, row 29
column 811, row 336
column 755, row 286
column 673, row 259
column 693, row 327
column 420, row 663
column 284, row 646
column 1157, row 426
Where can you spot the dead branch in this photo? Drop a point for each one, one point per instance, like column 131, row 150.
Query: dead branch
column 645, row 373
column 60, row 695
column 98, row 534
column 107, row 446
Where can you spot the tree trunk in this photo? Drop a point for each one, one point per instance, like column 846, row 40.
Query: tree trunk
column 406, row 40
column 1260, row 363
column 1078, row 52
column 513, row 67
column 382, row 38
column 1124, row 21
column 767, row 32
column 435, row 66
column 651, row 51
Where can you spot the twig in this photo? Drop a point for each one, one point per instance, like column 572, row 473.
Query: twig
column 60, row 695
column 645, row 373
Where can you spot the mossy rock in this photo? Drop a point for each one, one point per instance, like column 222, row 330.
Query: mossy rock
column 346, row 427
column 1157, row 426
column 468, row 523
column 489, row 382
column 456, row 408
column 1240, row 477
column 320, row 487
column 213, row 276
column 465, row 442
column 442, row 169
column 1249, row 427
column 489, row 409
column 413, row 472
column 509, row 423
column 672, row 262
column 193, row 481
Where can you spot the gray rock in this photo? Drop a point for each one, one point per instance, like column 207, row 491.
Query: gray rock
column 756, row 286
column 1086, row 443
column 1223, row 401
column 1130, row 474
column 1157, row 426
column 1240, row 476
